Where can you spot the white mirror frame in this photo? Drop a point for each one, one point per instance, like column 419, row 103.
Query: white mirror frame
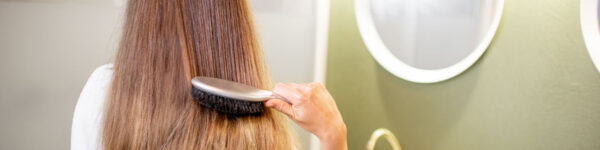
column 590, row 28
column 387, row 60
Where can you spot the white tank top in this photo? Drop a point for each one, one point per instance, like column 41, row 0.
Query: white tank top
column 89, row 111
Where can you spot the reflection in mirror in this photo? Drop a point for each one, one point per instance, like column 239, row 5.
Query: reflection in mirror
column 432, row 34
column 427, row 41
column 590, row 28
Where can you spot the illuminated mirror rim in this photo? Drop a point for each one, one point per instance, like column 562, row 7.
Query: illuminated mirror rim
column 590, row 28
column 390, row 62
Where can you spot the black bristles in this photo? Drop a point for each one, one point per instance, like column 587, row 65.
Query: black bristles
column 227, row 105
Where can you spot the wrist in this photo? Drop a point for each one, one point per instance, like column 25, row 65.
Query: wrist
column 334, row 134
column 334, row 139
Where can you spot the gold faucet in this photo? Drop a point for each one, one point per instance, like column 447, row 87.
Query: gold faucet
column 389, row 136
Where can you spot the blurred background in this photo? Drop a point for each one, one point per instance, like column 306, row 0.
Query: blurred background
column 534, row 88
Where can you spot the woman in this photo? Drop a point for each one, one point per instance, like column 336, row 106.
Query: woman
column 144, row 101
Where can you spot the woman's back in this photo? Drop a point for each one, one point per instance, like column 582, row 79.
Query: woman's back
column 164, row 44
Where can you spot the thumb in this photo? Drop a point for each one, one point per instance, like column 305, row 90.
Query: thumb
column 281, row 106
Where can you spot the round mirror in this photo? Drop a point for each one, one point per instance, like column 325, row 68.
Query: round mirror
column 427, row 41
column 590, row 26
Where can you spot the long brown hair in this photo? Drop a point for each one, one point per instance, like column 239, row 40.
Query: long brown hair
column 164, row 44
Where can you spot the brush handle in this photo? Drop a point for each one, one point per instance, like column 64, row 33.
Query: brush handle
column 277, row 96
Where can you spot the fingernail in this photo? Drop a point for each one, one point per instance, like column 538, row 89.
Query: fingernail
column 268, row 103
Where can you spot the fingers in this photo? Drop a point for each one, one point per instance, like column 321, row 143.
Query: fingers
column 317, row 85
column 281, row 106
column 288, row 92
column 306, row 88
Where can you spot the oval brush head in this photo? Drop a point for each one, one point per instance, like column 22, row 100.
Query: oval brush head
column 229, row 97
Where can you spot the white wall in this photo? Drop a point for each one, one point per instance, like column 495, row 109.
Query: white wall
column 47, row 51
column 287, row 32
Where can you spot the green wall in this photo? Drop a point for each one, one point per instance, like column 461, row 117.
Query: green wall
column 534, row 88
